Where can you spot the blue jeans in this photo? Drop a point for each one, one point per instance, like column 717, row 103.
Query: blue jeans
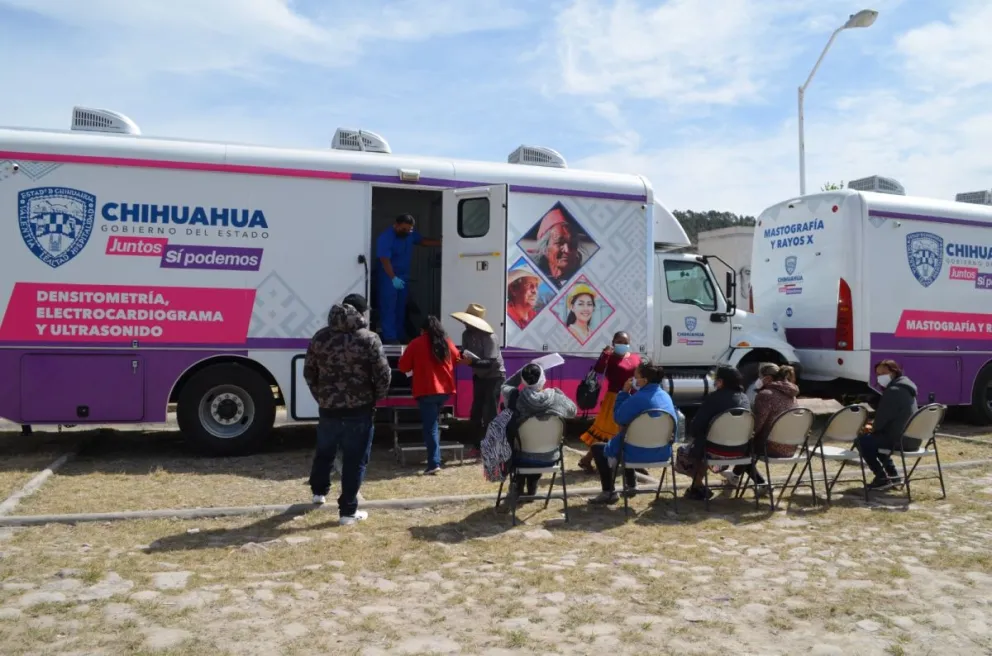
column 881, row 465
column 392, row 309
column 353, row 436
column 430, row 410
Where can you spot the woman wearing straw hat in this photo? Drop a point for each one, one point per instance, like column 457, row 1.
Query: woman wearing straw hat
column 581, row 303
column 480, row 349
column 522, row 287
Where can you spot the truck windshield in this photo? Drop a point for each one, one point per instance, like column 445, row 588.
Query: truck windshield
column 689, row 283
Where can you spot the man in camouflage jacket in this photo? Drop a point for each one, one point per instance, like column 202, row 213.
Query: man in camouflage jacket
column 347, row 373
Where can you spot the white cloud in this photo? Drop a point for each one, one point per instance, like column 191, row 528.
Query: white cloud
column 952, row 55
column 194, row 36
column 935, row 143
column 683, row 51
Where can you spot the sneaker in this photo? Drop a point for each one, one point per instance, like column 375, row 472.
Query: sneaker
column 731, row 478
column 880, row 483
column 432, row 471
column 348, row 520
column 319, row 499
column 604, row 499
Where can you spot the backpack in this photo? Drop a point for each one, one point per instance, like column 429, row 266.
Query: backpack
column 587, row 395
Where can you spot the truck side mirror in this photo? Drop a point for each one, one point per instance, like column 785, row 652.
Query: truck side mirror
column 731, row 285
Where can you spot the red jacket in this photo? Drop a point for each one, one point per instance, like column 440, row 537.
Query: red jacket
column 430, row 377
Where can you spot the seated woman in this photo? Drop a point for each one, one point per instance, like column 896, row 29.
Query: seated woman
column 895, row 407
column 776, row 395
column 691, row 458
column 532, row 400
column 641, row 394
column 766, row 373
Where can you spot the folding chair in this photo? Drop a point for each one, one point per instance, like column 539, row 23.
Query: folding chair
column 917, row 438
column 733, row 429
column 844, row 426
column 540, row 442
column 647, row 432
column 791, row 428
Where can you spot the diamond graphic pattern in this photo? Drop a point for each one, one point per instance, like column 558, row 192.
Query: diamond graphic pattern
column 280, row 312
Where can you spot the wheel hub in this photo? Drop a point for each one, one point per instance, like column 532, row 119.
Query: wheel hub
column 227, row 409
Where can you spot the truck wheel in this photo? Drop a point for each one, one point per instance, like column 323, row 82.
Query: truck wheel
column 981, row 398
column 226, row 409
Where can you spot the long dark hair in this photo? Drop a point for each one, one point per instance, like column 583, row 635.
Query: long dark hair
column 439, row 339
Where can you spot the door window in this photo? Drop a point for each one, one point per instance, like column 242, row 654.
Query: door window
column 473, row 218
column 689, row 283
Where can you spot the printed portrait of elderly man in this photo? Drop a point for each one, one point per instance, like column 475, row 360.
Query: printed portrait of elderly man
column 558, row 246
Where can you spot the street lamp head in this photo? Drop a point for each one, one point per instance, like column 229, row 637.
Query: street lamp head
column 863, row 18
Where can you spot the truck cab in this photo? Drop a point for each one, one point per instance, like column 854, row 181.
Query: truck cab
column 699, row 327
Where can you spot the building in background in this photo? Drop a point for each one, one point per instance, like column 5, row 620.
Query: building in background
column 733, row 246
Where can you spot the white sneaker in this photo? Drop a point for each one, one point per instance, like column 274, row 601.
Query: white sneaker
column 731, row 478
column 359, row 516
column 319, row 499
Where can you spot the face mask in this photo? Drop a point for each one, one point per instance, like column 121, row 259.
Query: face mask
column 634, row 386
column 884, row 380
column 758, row 385
column 621, row 349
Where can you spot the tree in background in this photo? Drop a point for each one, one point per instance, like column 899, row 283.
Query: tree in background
column 695, row 222
column 832, row 186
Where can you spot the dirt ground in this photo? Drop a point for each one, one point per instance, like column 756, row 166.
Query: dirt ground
column 854, row 578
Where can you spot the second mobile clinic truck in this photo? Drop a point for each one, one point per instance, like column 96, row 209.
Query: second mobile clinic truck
column 856, row 277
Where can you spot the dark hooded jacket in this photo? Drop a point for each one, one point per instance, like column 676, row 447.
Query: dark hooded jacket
column 345, row 367
column 897, row 405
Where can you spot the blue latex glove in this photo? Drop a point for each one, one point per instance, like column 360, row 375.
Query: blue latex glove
column 398, row 283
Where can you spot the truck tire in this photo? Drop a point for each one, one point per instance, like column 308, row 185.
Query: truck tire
column 981, row 398
column 226, row 410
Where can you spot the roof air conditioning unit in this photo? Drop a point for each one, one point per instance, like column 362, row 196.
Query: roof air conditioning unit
column 878, row 184
column 537, row 156
column 359, row 140
column 975, row 197
column 85, row 119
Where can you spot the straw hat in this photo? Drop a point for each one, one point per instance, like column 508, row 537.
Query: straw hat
column 520, row 273
column 579, row 290
column 474, row 316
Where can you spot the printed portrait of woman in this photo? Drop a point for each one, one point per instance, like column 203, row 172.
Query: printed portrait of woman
column 526, row 294
column 583, row 310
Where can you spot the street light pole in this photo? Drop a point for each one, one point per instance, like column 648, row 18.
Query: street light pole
column 863, row 18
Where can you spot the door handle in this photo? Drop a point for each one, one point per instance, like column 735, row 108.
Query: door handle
column 666, row 336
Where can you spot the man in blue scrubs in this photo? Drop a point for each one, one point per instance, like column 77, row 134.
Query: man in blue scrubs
column 394, row 250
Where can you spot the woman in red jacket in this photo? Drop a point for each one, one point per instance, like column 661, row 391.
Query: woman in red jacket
column 431, row 358
column 618, row 364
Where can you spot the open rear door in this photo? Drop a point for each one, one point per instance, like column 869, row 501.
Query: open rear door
column 473, row 256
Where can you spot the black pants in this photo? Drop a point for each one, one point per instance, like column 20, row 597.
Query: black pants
column 526, row 485
column 882, row 465
column 352, row 436
column 607, row 474
column 740, row 470
column 485, row 404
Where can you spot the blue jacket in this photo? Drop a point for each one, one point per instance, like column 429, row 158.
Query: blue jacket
column 653, row 400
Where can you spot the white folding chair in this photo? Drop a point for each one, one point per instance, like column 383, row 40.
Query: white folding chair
column 539, row 440
column 919, row 435
column 648, row 432
column 844, row 426
column 791, row 428
column 732, row 429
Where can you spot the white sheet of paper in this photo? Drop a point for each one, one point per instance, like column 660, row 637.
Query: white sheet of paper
column 549, row 361
column 471, row 356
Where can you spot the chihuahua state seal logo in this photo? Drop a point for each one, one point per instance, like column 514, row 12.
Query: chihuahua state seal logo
column 55, row 222
column 690, row 323
column 925, row 253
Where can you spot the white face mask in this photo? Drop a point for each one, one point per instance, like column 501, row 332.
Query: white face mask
column 759, row 384
column 884, row 380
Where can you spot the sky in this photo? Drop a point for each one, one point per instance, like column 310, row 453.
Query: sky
column 697, row 95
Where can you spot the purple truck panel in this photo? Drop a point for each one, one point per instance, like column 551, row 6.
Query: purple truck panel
column 55, row 386
column 946, row 368
column 49, row 389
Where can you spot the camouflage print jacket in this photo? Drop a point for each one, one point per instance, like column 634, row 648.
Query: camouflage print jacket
column 346, row 368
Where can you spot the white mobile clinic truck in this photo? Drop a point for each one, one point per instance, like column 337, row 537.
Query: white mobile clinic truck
column 139, row 271
column 857, row 277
